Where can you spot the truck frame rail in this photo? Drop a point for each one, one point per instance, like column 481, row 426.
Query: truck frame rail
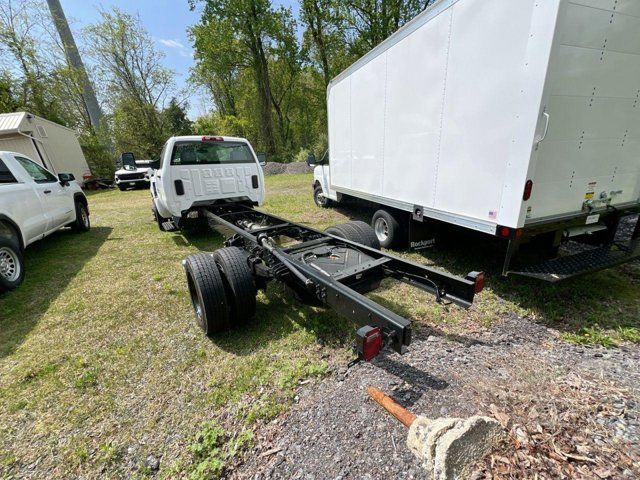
column 325, row 269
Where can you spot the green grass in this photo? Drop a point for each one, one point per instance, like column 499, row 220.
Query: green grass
column 102, row 364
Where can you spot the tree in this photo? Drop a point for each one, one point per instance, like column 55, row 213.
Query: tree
column 175, row 119
column 258, row 33
column 130, row 70
column 372, row 21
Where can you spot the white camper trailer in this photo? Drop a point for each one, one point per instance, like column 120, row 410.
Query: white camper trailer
column 55, row 147
column 513, row 118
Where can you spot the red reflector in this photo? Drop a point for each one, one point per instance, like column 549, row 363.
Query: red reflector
column 518, row 233
column 505, row 232
column 479, row 282
column 212, row 139
column 369, row 342
column 528, row 187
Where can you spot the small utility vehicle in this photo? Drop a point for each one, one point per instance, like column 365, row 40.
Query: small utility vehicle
column 33, row 204
column 219, row 181
column 133, row 173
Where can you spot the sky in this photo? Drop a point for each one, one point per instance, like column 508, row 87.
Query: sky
column 166, row 21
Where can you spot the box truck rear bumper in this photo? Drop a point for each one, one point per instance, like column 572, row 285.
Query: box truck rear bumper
column 614, row 251
column 592, row 260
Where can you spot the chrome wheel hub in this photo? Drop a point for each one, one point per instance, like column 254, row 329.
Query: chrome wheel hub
column 382, row 229
column 9, row 264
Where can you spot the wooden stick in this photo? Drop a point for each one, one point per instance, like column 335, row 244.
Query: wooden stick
column 389, row 404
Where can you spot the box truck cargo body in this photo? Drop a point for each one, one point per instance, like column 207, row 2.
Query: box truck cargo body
column 513, row 118
column 53, row 146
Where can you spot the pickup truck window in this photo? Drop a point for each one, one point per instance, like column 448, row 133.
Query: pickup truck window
column 35, row 171
column 210, row 153
column 5, row 174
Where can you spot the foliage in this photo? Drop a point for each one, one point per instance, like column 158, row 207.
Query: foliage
column 213, row 448
column 248, row 57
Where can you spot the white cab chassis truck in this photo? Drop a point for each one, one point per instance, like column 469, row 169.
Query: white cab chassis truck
column 517, row 119
column 201, row 171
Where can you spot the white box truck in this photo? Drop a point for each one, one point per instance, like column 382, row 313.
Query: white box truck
column 519, row 119
column 51, row 145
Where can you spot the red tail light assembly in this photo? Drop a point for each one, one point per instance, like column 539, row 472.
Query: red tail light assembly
column 506, row 232
column 368, row 342
column 528, row 188
column 478, row 279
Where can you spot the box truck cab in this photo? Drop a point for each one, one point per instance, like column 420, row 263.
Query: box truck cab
column 516, row 119
column 201, row 171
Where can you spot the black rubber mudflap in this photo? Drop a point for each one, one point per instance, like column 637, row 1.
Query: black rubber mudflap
column 592, row 260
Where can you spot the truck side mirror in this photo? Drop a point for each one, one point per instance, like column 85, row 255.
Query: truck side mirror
column 66, row 178
column 155, row 164
column 262, row 159
column 311, row 160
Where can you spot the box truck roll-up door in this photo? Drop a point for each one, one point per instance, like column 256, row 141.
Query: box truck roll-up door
column 592, row 149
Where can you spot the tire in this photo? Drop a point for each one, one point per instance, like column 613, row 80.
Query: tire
column 11, row 264
column 387, row 229
column 367, row 234
column 319, row 199
column 82, row 222
column 207, row 293
column 355, row 231
column 238, row 282
column 122, row 187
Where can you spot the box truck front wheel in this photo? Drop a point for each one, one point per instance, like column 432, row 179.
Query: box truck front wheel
column 319, row 198
column 387, row 229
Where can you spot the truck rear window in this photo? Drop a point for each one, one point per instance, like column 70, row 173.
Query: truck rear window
column 210, row 153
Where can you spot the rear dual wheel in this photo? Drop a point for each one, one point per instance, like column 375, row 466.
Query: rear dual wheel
column 221, row 288
column 356, row 231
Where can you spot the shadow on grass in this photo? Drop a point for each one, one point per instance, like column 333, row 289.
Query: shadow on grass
column 50, row 265
column 278, row 315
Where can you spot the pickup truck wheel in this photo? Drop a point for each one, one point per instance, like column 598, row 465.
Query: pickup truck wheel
column 207, row 293
column 386, row 228
column 82, row 223
column 319, row 198
column 238, row 282
column 11, row 265
column 122, row 187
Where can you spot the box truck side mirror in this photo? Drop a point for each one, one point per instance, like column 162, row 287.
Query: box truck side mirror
column 311, row 160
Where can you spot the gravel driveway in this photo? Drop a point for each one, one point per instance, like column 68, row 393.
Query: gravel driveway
column 570, row 411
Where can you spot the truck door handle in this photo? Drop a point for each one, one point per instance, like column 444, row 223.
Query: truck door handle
column 47, row 192
column 254, row 181
column 546, row 129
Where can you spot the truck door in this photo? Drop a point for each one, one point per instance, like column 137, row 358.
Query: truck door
column 58, row 207
column 212, row 169
column 22, row 204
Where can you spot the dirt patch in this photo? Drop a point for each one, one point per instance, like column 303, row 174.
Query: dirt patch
column 570, row 411
column 274, row 168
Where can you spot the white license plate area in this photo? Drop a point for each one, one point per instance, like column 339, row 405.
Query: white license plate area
column 591, row 219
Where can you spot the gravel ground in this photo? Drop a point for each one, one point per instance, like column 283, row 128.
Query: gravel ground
column 274, row 168
column 570, row 411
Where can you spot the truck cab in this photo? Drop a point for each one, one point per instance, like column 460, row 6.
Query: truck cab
column 201, row 171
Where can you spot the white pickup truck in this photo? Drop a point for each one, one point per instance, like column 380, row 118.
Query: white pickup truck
column 199, row 171
column 33, row 204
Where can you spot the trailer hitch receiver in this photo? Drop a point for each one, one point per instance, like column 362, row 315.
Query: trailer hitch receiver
column 368, row 342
